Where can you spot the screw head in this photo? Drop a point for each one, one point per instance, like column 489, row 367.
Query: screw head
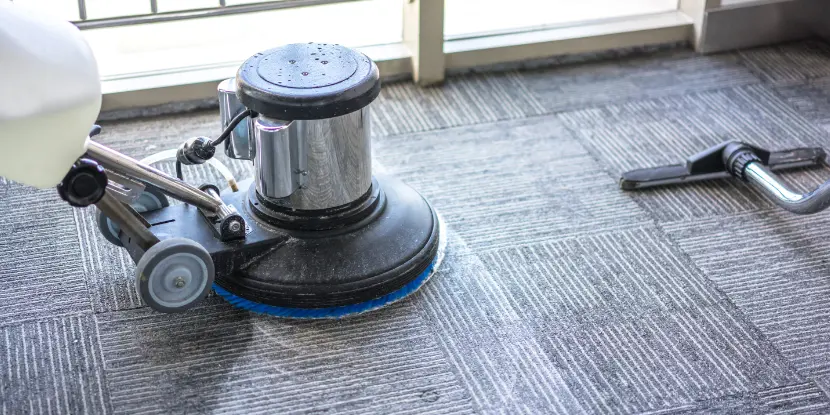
column 179, row 282
column 235, row 226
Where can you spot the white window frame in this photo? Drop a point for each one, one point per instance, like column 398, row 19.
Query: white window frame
column 425, row 56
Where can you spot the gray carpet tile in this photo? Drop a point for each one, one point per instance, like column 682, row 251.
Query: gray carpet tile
column 474, row 98
column 823, row 383
column 773, row 266
column 799, row 398
column 223, row 360
column 559, row 292
column 810, row 98
column 52, row 366
column 790, row 63
column 462, row 100
column 622, row 136
column 622, row 275
column 662, row 74
column 39, row 271
column 509, row 183
column 631, row 324
column 488, row 341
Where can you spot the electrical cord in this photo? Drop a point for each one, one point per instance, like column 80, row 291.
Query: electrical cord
column 214, row 162
column 231, row 125
column 222, row 137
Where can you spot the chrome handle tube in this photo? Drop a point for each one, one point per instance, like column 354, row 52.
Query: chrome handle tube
column 224, row 210
column 766, row 181
column 129, row 224
column 132, row 168
column 239, row 144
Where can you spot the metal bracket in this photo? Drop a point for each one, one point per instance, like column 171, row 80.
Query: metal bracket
column 123, row 188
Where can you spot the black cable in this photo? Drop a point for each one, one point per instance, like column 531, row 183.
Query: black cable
column 234, row 122
column 222, row 137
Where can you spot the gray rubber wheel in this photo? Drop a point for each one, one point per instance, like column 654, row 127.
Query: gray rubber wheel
column 149, row 200
column 174, row 275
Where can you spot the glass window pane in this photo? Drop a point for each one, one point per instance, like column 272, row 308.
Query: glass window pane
column 177, row 5
column 233, row 2
column 227, row 39
column 62, row 9
column 470, row 17
column 100, row 9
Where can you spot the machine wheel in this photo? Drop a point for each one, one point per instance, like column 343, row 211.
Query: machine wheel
column 174, row 275
column 149, row 200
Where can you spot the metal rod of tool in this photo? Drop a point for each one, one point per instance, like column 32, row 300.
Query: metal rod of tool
column 225, row 210
column 132, row 168
column 766, row 181
column 126, row 220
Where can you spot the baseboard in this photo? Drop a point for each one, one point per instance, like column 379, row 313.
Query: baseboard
column 764, row 22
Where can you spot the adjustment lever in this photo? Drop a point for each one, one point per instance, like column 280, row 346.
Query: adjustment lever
column 714, row 163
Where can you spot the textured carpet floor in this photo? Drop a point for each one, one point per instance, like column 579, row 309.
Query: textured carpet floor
column 559, row 293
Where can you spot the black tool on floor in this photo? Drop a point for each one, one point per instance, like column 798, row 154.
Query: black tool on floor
column 313, row 234
column 748, row 163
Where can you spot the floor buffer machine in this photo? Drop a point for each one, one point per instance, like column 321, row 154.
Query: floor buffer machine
column 313, row 234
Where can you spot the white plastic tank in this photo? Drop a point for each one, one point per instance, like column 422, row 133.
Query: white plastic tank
column 50, row 96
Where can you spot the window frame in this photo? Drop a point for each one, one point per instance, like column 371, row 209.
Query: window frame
column 424, row 56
